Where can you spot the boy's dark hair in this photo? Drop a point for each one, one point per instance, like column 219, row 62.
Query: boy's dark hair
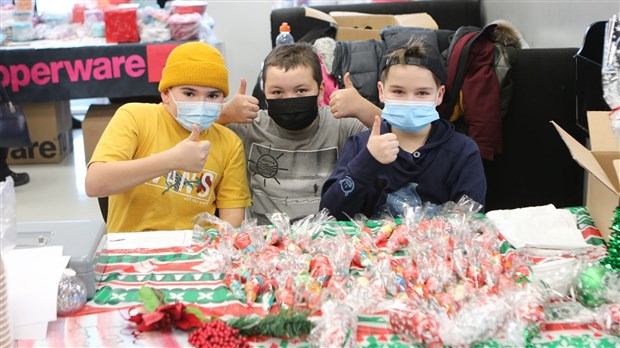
column 417, row 52
column 293, row 56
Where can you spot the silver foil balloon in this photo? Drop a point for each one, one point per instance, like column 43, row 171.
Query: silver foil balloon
column 71, row 293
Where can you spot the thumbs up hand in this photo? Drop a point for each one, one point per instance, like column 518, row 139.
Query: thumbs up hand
column 241, row 108
column 383, row 147
column 191, row 154
column 345, row 102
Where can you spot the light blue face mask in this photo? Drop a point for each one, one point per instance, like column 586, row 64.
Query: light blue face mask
column 409, row 116
column 204, row 114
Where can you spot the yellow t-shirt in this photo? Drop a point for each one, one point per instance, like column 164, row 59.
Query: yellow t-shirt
column 170, row 202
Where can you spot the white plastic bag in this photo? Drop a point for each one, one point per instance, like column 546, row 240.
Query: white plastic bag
column 8, row 227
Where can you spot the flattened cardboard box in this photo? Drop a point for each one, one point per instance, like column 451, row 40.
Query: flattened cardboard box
column 355, row 26
column 603, row 166
column 96, row 120
column 50, row 126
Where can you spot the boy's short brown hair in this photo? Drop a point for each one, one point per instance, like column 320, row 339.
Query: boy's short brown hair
column 292, row 56
column 417, row 52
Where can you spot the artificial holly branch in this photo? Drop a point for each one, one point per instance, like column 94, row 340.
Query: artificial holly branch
column 157, row 314
column 286, row 323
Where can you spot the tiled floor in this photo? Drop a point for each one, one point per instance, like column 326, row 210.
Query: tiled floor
column 56, row 191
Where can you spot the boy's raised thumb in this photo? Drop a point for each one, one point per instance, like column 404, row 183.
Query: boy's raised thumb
column 376, row 127
column 242, row 86
column 195, row 134
column 347, row 80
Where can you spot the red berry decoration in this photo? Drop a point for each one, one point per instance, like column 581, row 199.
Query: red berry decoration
column 216, row 334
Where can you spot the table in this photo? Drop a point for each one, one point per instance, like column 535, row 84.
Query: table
column 177, row 273
column 47, row 70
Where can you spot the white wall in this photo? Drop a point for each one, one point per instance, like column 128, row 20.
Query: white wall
column 244, row 27
column 551, row 23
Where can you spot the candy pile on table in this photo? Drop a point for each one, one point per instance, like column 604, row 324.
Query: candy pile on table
column 118, row 21
column 442, row 276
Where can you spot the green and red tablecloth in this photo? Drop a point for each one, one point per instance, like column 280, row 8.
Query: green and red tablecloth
column 179, row 273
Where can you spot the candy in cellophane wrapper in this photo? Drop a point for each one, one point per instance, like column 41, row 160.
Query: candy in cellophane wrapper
column 249, row 237
column 415, row 322
column 403, row 233
column 321, row 269
column 336, row 327
column 184, row 26
column 235, row 285
column 213, row 261
column 527, row 304
column 363, row 250
column 306, row 290
column 209, row 228
column 253, row 287
column 280, row 229
column 152, row 24
column 478, row 320
column 384, row 233
column 334, row 253
column 607, row 317
column 382, row 273
column 610, row 72
column 301, row 234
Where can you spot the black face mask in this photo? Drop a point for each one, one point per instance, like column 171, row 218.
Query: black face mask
column 293, row 113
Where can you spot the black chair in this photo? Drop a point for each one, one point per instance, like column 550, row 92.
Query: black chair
column 103, row 206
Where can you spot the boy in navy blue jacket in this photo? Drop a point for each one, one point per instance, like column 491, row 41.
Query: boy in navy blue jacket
column 411, row 145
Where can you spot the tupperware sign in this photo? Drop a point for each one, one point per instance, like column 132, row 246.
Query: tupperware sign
column 83, row 72
column 46, row 73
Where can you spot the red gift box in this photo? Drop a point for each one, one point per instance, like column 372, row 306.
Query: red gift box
column 121, row 25
column 78, row 13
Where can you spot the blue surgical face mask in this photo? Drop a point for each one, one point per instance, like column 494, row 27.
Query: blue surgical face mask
column 204, row 114
column 409, row 116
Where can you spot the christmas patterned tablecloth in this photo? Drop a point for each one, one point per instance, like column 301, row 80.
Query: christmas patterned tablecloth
column 179, row 273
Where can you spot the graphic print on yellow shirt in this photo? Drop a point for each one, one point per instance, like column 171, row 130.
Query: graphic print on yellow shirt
column 185, row 184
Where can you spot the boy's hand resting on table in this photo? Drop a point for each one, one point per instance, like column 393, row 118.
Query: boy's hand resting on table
column 191, row 154
column 383, row 147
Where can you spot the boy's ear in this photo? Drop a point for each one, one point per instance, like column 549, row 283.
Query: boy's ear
column 380, row 88
column 440, row 94
column 321, row 91
column 165, row 96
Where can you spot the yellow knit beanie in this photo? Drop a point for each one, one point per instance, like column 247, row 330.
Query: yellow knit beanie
column 195, row 64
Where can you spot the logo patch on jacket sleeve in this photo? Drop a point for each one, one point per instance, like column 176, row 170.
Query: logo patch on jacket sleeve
column 347, row 185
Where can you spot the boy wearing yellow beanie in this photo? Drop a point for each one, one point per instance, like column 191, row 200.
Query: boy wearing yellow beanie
column 162, row 164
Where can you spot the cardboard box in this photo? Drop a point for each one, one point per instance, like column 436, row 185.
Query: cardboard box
column 603, row 166
column 97, row 118
column 354, row 26
column 50, row 126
